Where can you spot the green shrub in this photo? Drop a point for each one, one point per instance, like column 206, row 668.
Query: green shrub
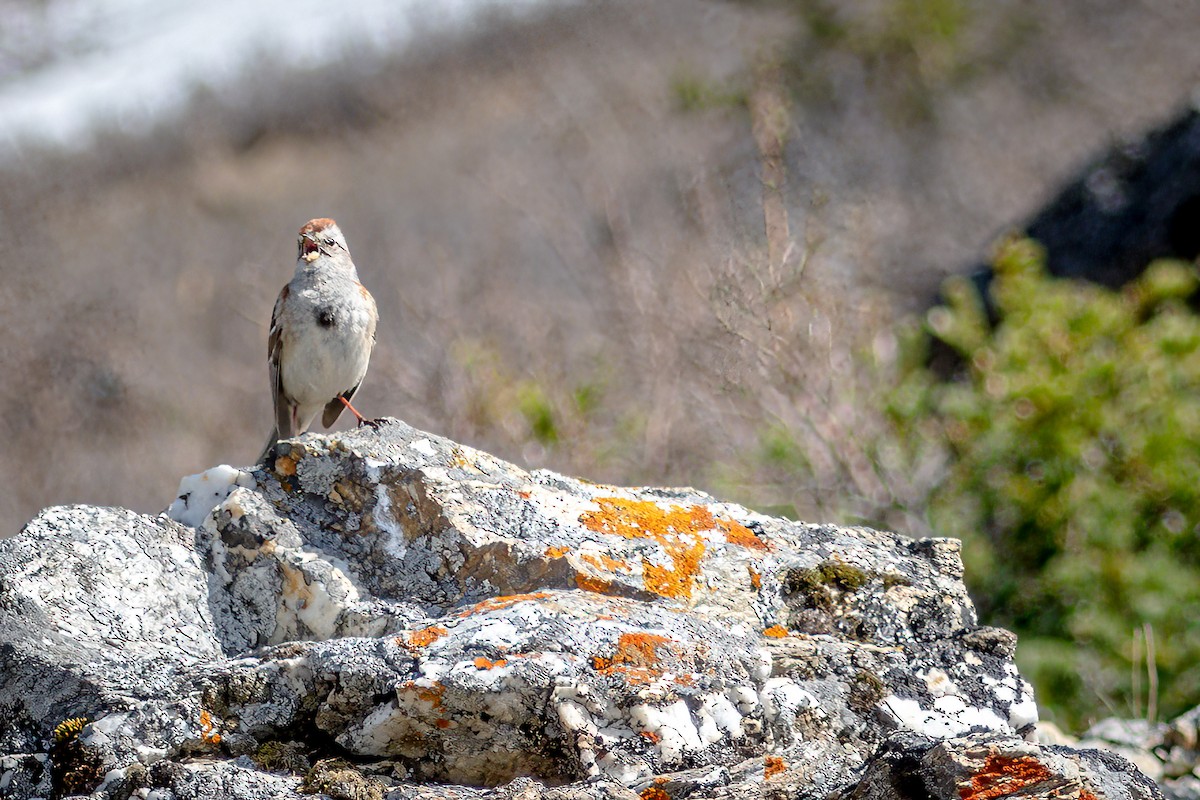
column 1073, row 477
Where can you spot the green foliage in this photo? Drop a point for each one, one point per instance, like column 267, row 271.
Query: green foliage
column 536, row 407
column 697, row 94
column 1073, row 477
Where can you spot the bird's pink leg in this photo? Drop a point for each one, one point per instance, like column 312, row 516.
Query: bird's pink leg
column 361, row 420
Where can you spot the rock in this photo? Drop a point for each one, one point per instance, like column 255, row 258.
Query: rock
column 390, row 614
column 1049, row 733
column 983, row 766
column 1169, row 752
column 1183, row 788
column 1132, row 739
column 1137, row 203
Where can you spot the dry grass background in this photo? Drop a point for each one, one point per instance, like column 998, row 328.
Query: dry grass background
column 571, row 268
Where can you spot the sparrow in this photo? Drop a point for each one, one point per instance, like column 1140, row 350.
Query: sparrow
column 322, row 333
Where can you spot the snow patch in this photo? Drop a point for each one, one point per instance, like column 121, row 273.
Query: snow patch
column 98, row 75
column 199, row 494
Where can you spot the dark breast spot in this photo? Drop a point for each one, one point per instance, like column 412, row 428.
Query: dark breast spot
column 325, row 318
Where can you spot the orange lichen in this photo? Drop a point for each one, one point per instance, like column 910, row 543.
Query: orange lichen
column 208, row 730
column 429, row 694
column 736, row 533
column 636, row 676
column 677, row 530
column 772, row 766
column 776, row 632
column 606, row 562
column 590, row 583
column 442, row 723
column 650, row 736
column 676, row 580
column 557, row 552
column 755, row 577
column 285, row 465
column 685, row 680
column 1002, row 776
column 487, row 663
column 524, row 495
column 504, row 601
column 636, row 658
column 654, row 793
column 640, row 649
column 424, row 637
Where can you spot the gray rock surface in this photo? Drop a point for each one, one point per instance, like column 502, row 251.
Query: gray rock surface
column 1168, row 752
column 390, row 614
column 982, row 766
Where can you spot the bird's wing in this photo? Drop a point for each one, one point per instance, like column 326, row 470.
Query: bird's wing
column 333, row 409
column 283, row 416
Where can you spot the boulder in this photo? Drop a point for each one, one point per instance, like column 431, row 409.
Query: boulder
column 1135, row 203
column 386, row 613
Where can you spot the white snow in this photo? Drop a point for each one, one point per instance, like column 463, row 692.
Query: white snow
column 199, row 494
column 130, row 63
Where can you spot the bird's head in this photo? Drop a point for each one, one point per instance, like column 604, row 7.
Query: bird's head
column 320, row 236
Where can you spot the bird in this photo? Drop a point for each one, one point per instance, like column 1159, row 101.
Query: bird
column 322, row 335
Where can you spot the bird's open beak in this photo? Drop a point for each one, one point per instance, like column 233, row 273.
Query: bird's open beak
column 309, row 249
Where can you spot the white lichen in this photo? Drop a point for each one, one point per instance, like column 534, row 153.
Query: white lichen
column 950, row 717
column 385, row 518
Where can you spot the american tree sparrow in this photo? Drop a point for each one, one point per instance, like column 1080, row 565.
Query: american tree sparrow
column 322, row 332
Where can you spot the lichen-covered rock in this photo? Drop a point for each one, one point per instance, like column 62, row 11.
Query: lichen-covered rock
column 986, row 766
column 388, row 614
column 98, row 607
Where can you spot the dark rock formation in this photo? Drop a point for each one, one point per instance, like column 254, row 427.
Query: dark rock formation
column 1137, row 203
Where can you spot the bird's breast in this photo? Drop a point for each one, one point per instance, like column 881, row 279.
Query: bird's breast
column 328, row 348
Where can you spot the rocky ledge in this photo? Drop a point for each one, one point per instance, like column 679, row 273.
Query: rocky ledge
column 390, row 614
